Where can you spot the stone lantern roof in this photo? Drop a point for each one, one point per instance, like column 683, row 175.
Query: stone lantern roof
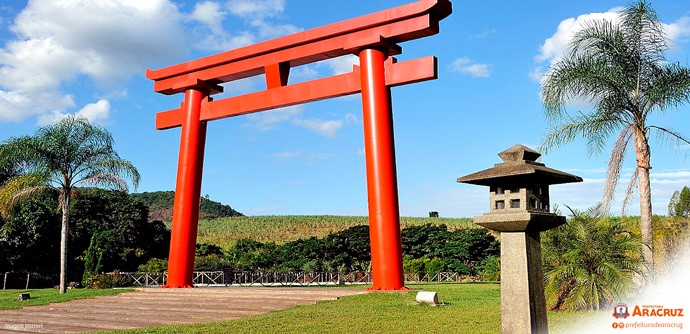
column 519, row 164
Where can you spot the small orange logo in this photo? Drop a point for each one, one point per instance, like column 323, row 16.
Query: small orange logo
column 620, row 311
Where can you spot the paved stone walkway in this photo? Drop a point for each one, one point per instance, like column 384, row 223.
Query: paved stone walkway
column 156, row 306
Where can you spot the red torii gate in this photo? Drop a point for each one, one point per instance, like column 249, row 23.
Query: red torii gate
column 374, row 39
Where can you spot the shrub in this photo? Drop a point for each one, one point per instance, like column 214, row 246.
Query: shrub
column 434, row 266
column 490, row 268
column 105, row 281
column 154, row 265
column 591, row 262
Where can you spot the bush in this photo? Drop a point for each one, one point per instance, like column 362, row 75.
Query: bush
column 154, row 266
column 415, row 266
column 211, row 262
column 490, row 268
column 105, row 281
column 434, row 266
column 591, row 262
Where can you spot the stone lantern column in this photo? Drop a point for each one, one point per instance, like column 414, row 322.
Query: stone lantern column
column 519, row 210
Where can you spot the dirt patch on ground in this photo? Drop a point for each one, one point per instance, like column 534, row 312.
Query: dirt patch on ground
column 156, row 306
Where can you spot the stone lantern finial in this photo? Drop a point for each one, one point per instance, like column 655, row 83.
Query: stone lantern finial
column 519, row 153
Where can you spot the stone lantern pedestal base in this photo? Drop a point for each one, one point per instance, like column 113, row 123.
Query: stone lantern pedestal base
column 523, row 307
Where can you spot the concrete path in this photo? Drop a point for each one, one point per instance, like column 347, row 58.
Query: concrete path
column 156, row 306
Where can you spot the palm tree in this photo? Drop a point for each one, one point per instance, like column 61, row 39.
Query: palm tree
column 591, row 262
column 60, row 158
column 620, row 67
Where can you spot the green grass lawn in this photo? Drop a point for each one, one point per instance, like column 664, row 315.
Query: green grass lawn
column 9, row 301
column 469, row 308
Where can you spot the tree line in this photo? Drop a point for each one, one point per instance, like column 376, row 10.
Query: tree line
column 427, row 249
column 30, row 239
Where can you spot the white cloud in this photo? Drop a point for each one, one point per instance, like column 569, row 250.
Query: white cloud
column 271, row 30
column 352, row 118
column 97, row 113
column 210, row 14
column 59, row 41
column 340, row 65
column 483, row 34
column 258, row 14
column 678, row 31
column 555, row 46
column 465, row 66
column 327, row 128
column 267, row 120
column 287, row 155
column 256, row 8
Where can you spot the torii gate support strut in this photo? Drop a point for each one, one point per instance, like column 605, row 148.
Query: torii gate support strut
column 374, row 38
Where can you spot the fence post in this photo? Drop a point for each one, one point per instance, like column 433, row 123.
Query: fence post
column 4, row 280
column 27, row 281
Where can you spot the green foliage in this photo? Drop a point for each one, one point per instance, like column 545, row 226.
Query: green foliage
column 671, row 238
column 415, row 266
column 490, row 268
column 427, row 249
column 461, row 250
column 211, row 262
column 160, row 204
column 210, row 258
column 620, row 67
column 133, row 239
column 101, row 242
column 206, row 249
column 591, row 262
column 154, row 265
column 679, row 205
column 105, row 281
column 60, row 157
column 423, row 266
column 29, row 239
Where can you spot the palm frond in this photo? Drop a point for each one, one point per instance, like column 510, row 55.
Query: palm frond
column 615, row 165
column 669, row 87
column 105, row 180
column 644, row 32
column 629, row 191
column 18, row 188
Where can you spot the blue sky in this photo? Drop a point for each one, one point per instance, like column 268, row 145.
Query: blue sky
column 89, row 57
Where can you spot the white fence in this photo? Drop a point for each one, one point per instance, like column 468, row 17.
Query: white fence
column 257, row 278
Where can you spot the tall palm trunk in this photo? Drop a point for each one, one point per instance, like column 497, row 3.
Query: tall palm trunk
column 63, row 242
column 643, row 167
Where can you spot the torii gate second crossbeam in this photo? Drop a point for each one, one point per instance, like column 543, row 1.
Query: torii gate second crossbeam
column 374, row 38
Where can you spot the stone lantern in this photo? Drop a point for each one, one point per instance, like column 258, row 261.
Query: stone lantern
column 519, row 209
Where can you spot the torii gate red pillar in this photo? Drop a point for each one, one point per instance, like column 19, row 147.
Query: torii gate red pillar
column 375, row 39
column 187, row 191
column 382, row 184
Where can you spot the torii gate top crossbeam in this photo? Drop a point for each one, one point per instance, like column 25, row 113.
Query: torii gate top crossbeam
column 399, row 24
column 381, row 30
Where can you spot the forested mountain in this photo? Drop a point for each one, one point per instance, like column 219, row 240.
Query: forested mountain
column 160, row 205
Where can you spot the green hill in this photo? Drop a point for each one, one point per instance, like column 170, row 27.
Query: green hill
column 160, row 205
